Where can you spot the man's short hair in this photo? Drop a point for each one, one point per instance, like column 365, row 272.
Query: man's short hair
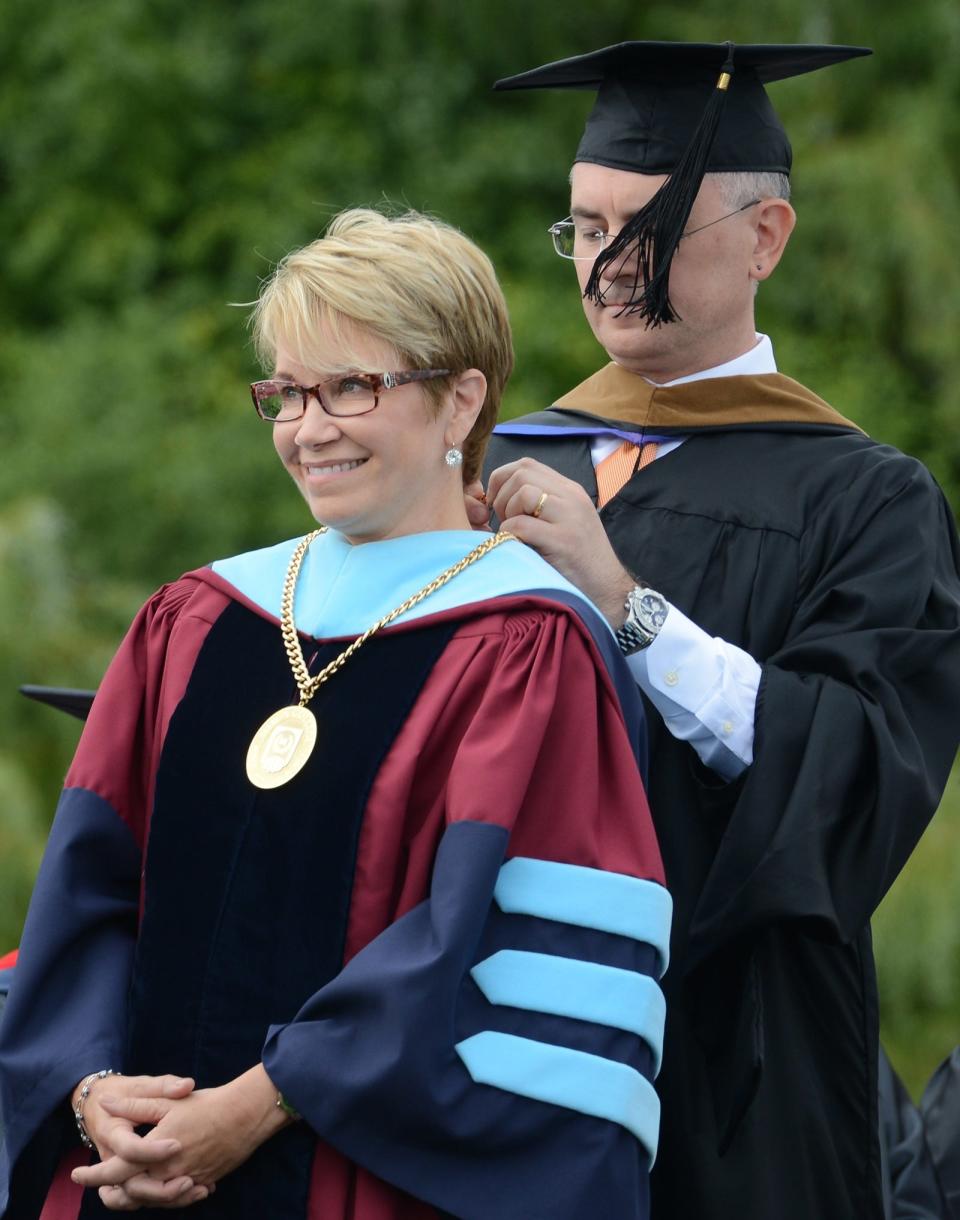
column 742, row 187
column 412, row 281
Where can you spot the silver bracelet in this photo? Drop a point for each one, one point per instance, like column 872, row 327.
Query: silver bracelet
column 84, row 1094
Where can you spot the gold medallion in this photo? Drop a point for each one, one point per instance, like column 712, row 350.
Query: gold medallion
column 281, row 747
column 285, row 740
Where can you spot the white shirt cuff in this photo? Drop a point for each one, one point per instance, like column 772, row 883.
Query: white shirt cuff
column 705, row 689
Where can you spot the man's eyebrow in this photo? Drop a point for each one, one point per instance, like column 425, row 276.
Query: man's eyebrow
column 586, row 214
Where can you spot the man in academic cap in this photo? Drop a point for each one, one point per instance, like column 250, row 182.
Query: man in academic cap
column 787, row 592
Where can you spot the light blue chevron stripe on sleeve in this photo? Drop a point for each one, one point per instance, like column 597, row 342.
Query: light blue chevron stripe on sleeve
column 589, row 898
column 565, row 987
column 575, row 1080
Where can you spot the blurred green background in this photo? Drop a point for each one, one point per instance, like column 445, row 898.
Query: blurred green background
column 157, row 156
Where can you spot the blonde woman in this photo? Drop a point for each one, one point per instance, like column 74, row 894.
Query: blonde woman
column 370, row 921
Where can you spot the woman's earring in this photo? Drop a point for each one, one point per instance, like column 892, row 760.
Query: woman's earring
column 453, row 457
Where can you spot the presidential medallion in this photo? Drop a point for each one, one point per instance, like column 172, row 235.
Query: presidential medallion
column 281, row 747
column 285, row 740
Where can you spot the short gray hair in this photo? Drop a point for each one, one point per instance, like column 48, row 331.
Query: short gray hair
column 741, row 188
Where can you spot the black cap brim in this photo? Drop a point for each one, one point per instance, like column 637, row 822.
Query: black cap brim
column 651, row 97
column 76, row 702
column 770, row 62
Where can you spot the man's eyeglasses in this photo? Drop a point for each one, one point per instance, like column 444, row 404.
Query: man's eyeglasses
column 583, row 242
column 280, row 401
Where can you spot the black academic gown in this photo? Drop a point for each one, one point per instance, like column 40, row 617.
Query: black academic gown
column 940, row 1109
column 911, row 1188
column 833, row 561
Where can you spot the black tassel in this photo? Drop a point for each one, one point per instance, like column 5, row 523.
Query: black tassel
column 653, row 235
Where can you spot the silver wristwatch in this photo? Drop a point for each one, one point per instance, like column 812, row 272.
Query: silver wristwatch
column 646, row 614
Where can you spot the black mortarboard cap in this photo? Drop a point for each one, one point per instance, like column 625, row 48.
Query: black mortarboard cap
column 682, row 109
column 76, row 702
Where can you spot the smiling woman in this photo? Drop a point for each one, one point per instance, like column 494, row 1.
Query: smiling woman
column 369, row 460
column 415, row 289
column 368, row 449
column 376, row 294
column 352, row 899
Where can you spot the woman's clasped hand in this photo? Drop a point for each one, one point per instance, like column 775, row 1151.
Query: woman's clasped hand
column 196, row 1136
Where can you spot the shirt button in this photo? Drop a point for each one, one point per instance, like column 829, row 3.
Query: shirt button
column 671, row 677
column 726, row 728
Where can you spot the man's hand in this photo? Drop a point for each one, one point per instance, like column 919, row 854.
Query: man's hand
column 566, row 530
column 205, row 1135
column 475, row 501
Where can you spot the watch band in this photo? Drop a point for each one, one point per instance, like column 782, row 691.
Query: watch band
column 631, row 640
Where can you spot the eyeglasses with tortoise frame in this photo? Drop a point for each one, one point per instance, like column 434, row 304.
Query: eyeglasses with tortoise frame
column 281, row 401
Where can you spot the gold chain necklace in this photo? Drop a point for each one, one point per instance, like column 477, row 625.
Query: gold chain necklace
column 285, row 740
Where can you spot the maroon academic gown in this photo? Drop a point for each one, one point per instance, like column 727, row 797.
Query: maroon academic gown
column 475, row 735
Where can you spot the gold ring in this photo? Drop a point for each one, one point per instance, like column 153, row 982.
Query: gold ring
column 538, row 508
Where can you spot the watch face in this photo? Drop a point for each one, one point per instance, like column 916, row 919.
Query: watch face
column 651, row 610
column 646, row 614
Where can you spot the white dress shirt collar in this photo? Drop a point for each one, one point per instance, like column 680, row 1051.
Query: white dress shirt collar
column 759, row 359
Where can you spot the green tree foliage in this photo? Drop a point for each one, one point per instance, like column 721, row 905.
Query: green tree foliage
column 157, row 157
